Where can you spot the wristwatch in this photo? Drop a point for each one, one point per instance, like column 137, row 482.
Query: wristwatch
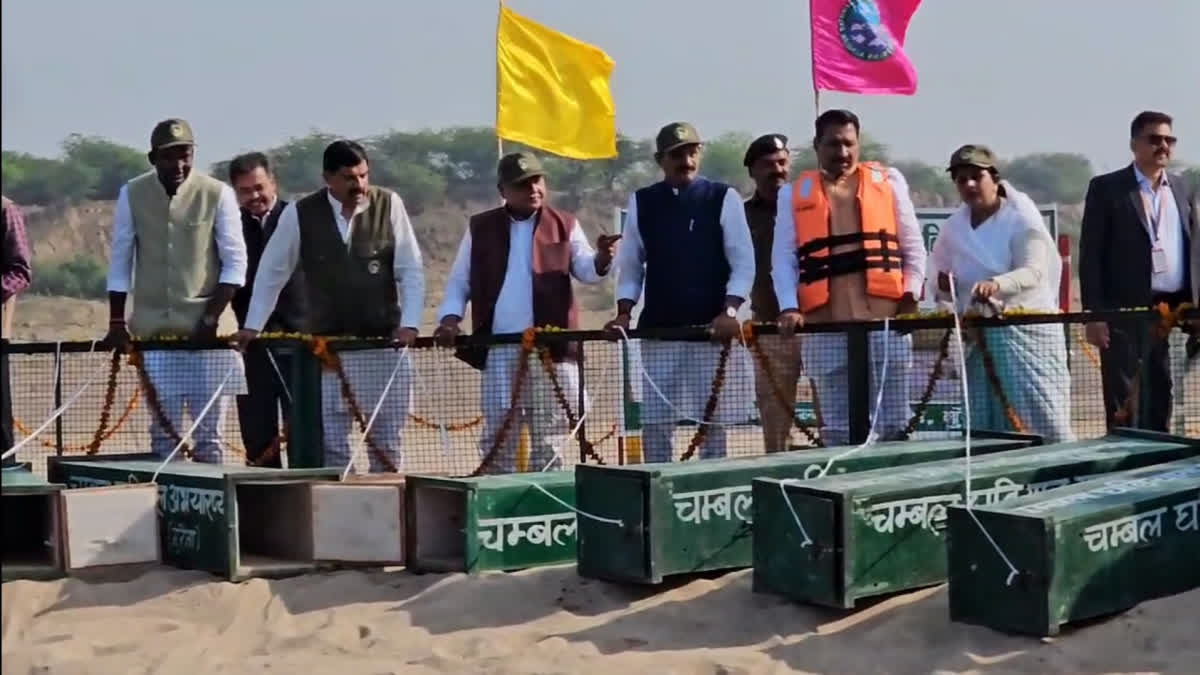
column 731, row 312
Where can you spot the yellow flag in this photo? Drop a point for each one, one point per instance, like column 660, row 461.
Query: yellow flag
column 552, row 90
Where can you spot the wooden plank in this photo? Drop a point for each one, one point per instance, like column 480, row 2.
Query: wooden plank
column 687, row 517
column 1079, row 551
column 887, row 533
column 108, row 526
column 358, row 522
column 235, row 521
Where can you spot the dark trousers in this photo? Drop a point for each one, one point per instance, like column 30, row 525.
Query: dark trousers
column 259, row 410
column 1144, row 398
column 6, row 417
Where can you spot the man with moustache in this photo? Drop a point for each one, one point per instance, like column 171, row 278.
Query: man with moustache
column 514, row 266
column 768, row 161
column 177, row 246
column 848, row 247
column 362, row 276
column 686, row 242
column 259, row 411
column 1139, row 245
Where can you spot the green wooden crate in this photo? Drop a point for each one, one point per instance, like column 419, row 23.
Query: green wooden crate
column 686, row 517
column 235, row 521
column 1080, row 551
column 489, row 522
column 878, row 532
column 32, row 525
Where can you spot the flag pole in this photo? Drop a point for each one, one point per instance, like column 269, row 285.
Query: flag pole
column 499, row 141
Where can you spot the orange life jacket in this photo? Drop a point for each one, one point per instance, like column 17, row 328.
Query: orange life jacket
column 879, row 252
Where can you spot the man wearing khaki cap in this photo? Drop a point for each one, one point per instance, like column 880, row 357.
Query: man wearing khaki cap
column 177, row 246
column 514, row 270
column 687, row 245
column 768, row 162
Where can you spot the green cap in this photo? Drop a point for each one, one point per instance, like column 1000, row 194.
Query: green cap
column 973, row 155
column 171, row 132
column 517, row 167
column 675, row 135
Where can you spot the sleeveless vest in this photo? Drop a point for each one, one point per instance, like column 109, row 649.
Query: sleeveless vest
column 349, row 286
column 177, row 267
column 686, row 268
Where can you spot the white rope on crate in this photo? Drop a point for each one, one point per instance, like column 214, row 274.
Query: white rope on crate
column 198, row 418
column 611, row 521
column 54, row 414
column 962, row 373
column 872, row 436
column 375, row 412
column 279, row 374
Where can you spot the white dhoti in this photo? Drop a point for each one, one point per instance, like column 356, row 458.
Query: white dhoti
column 368, row 372
column 185, row 381
column 683, row 373
column 537, row 407
column 824, row 358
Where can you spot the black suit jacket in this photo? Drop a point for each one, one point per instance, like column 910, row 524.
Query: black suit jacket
column 1114, row 245
column 291, row 311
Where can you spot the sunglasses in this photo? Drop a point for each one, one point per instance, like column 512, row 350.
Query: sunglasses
column 1161, row 139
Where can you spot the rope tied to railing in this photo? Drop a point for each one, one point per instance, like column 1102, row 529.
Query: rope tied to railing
column 750, row 338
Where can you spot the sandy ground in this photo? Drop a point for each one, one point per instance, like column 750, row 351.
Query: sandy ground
column 541, row 621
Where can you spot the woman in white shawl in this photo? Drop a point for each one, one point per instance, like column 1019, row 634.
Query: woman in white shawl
column 1000, row 255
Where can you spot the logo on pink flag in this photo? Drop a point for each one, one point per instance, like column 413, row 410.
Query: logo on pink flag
column 857, row 46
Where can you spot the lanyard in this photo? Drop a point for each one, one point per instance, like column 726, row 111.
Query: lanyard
column 1155, row 216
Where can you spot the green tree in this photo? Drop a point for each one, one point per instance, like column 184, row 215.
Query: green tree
column 1050, row 176
column 37, row 180
column 112, row 163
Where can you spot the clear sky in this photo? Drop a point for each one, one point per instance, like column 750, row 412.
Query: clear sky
column 1021, row 75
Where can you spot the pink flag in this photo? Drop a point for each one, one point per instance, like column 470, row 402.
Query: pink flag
column 858, row 46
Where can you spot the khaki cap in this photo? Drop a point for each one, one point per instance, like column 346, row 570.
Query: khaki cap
column 517, row 167
column 171, row 132
column 674, row 135
column 973, row 155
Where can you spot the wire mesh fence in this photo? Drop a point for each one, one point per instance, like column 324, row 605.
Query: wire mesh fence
column 549, row 400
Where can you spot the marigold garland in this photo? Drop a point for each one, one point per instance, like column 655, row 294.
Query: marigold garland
column 527, row 341
column 989, row 369
column 331, row 361
column 930, row 385
column 710, row 406
column 781, row 396
column 548, row 365
column 138, row 361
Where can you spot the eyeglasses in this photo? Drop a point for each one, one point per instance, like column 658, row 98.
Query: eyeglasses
column 1161, row 139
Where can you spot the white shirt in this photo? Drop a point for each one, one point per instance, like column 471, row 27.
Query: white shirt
column 785, row 269
column 282, row 254
column 1012, row 247
column 739, row 250
column 1169, row 235
column 514, row 306
column 227, row 233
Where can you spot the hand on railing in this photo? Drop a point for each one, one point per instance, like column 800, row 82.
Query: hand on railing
column 241, row 341
column 789, row 320
column 403, row 336
column 617, row 326
column 447, row 331
column 724, row 327
column 118, row 336
column 1096, row 333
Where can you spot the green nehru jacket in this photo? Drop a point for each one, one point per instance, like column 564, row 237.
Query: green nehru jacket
column 177, row 266
column 351, row 289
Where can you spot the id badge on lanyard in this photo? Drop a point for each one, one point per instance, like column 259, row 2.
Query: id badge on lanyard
column 1158, row 256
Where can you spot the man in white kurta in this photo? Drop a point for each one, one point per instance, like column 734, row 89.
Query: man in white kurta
column 363, row 277
column 514, row 271
column 177, row 247
column 687, row 246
